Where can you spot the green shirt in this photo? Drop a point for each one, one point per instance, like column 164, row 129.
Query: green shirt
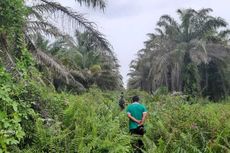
column 136, row 110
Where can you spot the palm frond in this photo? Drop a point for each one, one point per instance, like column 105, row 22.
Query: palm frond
column 94, row 3
column 185, row 16
column 205, row 11
column 214, row 23
column 73, row 18
column 48, row 29
column 78, row 75
column 169, row 19
column 44, row 27
column 160, row 31
column 218, row 51
column 34, row 13
column 183, row 13
column 163, row 24
column 224, row 33
column 44, row 59
column 151, row 36
column 208, row 28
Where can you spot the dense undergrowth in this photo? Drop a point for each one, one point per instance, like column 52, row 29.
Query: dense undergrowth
column 34, row 118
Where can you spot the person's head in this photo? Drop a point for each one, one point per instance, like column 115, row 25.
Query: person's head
column 135, row 99
column 122, row 94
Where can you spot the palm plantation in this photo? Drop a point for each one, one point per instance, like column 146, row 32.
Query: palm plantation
column 88, row 61
column 38, row 23
column 181, row 55
column 59, row 87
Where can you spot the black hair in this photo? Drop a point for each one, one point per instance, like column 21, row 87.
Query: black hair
column 135, row 99
column 122, row 94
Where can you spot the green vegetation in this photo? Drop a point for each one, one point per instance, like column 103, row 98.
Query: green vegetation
column 93, row 122
column 61, row 96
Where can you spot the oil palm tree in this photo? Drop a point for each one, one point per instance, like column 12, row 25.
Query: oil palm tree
column 177, row 49
column 88, row 61
column 41, row 18
column 38, row 21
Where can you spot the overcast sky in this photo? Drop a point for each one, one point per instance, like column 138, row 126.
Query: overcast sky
column 125, row 23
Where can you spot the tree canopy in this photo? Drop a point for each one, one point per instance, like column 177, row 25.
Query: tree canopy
column 185, row 56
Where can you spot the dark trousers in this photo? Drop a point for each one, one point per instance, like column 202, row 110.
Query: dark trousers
column 138, row 145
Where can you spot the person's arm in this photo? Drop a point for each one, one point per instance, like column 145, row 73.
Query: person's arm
column 144, row 114
column 133, row 119
column 143, row 118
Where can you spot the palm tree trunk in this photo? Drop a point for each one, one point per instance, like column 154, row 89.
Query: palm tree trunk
column 7, row 58
column 206, row 77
